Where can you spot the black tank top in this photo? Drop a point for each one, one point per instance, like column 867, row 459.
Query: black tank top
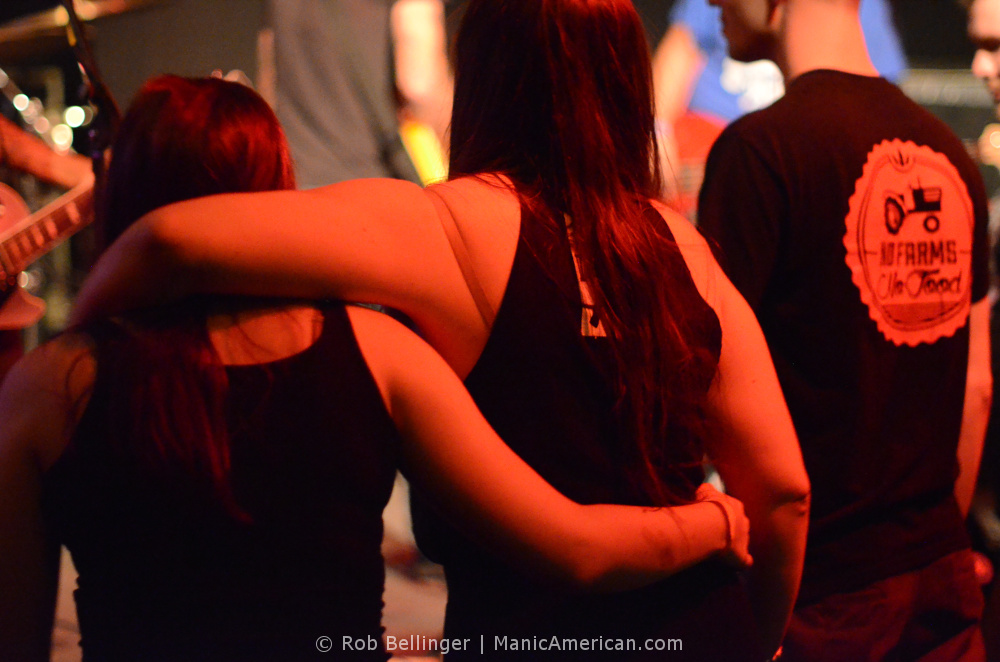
column 547, row 392
column 164, row 578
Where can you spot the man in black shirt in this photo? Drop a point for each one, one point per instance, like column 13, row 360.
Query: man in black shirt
column 855, row 225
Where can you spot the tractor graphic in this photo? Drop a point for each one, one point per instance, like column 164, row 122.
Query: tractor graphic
column 925, row 201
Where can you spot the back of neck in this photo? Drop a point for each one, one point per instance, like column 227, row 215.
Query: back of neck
column 820, row 34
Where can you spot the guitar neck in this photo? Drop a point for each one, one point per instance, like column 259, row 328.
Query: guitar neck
column 31, row 238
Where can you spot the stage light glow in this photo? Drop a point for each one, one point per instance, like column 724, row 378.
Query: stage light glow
column 74, row 116
column 62, row 136
column 21, row 102
column 42, row 125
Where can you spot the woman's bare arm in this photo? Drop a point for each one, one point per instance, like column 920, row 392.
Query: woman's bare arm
column 36, row 408
column 753, row 445
column 976, row 410
column 452, row 454
column 755, row 450
column 374, row 240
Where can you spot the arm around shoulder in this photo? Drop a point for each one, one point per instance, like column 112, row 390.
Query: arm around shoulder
column 372, row 240
column 452, row 454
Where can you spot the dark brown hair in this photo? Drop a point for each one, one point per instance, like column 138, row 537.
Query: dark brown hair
column 557, row 95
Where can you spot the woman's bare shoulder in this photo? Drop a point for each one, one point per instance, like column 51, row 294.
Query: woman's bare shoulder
column 684, row 231
column 64, row 364
column 705, row 270
column 487, row 213
column 44, row 394
column 489, row 194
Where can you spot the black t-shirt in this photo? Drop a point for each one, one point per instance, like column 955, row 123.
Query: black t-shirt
column 336, row 90
column 854, row 223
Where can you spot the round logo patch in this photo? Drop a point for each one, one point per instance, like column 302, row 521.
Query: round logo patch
column 909, row 243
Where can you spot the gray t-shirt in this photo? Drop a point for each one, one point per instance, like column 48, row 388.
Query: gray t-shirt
column 335, row 90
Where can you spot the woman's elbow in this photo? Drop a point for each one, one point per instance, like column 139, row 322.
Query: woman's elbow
column 791, row 496
column 161, row 236
column 980, row 386
column 800, row 500
column 795, row 492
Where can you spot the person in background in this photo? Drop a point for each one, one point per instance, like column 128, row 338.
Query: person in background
column 984, row 32
column 341, row 110
column 854, row 223
column 700, row 88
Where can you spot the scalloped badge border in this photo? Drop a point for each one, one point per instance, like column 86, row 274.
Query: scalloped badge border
column 878, row 157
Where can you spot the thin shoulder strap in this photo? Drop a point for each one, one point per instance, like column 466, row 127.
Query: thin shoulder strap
column 458, row 248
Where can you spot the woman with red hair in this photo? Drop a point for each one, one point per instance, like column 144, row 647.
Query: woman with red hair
column 573, row 304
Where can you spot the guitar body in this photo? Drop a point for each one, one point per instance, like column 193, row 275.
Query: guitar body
column 18, row 309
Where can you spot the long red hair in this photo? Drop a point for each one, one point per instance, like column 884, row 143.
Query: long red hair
column 557, row 95
column 181, row 138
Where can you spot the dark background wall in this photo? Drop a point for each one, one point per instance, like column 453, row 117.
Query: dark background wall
column 933, row 33
column 11, row 9
column 186, row 37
